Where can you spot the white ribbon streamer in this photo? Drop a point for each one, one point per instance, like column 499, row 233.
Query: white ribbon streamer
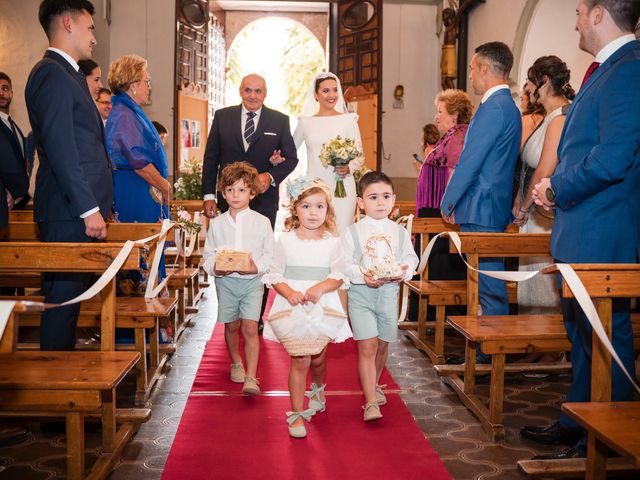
column 568, row 273
column 6, row 307
column 112, row 270
column 151, row 292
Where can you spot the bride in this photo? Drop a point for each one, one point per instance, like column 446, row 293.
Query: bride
column 324, row 118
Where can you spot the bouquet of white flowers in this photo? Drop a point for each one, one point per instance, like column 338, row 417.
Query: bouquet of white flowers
column 338, row 153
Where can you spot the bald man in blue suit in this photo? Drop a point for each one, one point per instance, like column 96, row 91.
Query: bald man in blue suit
column 595, row 193
column 478, row 197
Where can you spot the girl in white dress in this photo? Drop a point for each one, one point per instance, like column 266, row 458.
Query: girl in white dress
column 548, row 79
column 306, row 272
column 324, row 118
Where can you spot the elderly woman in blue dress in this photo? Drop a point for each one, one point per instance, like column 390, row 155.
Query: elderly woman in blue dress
column 141, row 189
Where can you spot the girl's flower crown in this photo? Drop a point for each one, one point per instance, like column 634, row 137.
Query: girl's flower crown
column 298, row 186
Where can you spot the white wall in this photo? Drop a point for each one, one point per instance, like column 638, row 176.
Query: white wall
column 495, row 20
column 22, row 44
column 410, row 57
column 145, row 27
column 552, row 32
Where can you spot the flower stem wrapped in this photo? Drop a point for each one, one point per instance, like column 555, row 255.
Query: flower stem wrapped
column 339, row 152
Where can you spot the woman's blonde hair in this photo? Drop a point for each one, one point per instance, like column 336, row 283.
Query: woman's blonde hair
column 456, row 102
column 125, row 71
column 292, row 221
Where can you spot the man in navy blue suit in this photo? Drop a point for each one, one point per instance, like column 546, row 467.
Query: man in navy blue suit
column 478, row 196
column 14, row 181
column 595, row 193
column 74, row 191
column 252, row 133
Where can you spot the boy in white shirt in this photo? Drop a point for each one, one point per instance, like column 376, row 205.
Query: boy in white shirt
column 373, row 304
column 240, row 293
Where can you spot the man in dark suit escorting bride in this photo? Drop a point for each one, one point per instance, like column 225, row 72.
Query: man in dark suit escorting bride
column 252, row 133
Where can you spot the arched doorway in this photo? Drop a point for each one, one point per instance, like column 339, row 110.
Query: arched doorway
column 284, row 52
column 287, row 55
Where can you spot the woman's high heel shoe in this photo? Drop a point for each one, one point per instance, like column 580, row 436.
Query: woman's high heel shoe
column 299, row 431
column 316, row 404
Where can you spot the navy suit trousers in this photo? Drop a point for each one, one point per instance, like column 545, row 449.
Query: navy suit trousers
column 492, row 293
column 579, row 332
column 58, row 325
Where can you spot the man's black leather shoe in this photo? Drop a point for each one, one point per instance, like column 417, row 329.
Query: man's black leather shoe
column 454, row 360
column 552, row 434
column 572, row 452
column 10, row 436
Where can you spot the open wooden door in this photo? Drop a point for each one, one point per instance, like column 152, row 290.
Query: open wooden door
column 191, row 77
column 356, row 57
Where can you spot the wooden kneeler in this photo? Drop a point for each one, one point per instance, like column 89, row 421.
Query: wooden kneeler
column 603, row 282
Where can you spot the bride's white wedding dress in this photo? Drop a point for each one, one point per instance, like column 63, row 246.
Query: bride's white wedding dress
column 315, row 131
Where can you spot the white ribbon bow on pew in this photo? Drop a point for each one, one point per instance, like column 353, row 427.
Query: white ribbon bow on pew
column 567, row 272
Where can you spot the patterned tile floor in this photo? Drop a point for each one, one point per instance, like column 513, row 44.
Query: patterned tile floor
column 451, row 429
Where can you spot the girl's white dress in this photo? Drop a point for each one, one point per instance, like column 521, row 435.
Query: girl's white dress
column 295, row 259
column 315, row 131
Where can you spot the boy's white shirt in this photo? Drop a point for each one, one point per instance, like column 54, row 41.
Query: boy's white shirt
column 249, row 232
column 367, row 227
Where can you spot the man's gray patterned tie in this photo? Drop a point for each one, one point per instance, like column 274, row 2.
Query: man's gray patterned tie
column 249, row 128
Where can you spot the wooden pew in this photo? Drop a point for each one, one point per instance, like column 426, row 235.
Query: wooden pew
column 498, row 335
column 72, row 257
column 610, row 425
column 603, row 283
column 438, row 293
column 21, row 215
column 72, row 385
column 132, row 312
column 406, row 207
column 186, row 270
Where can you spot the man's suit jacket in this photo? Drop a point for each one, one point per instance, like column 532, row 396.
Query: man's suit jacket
column 13, row 170
column 597, row 180
column 480, row 188
column 225, row 146
column 75, row 173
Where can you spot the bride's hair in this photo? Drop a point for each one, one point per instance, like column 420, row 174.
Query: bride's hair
column 292, row 221
column 321, row 78
column 310, row 104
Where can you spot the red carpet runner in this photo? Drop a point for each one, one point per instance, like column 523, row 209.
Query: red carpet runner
column 225, row 435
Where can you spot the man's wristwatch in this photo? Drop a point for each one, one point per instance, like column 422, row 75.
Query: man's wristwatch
column 550, row 194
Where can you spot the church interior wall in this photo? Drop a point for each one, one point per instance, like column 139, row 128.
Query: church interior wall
column 551, row 32
column 145, row 31
column 410, row 57
column 22, row 44
column 147, row 28
column 495, row 20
